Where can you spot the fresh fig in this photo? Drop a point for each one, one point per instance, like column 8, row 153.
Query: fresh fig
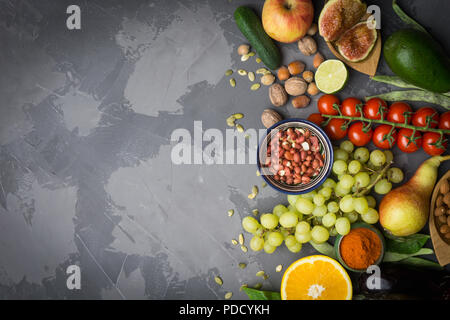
column 357, row 42
column 338, row 16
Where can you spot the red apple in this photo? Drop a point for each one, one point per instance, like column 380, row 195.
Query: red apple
column 287, row 20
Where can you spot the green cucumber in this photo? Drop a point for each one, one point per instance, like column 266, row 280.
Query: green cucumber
column 251, row 27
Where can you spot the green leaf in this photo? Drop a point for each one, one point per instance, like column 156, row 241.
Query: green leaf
column 394, row 256
column 408, row 245
column 422, row 263
column 407, row 19
column 254, row 294
column 324, row 248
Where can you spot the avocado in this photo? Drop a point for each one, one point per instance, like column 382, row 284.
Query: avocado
column 418, row 59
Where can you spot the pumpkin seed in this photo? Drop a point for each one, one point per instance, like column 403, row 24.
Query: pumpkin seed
column 255, row 190
column 239, row 128
column 260, row 273
column 233, row 241
column 251, row 54
column 230, row 212
column 229, row 72
column 228, row 295
column 242, row 265
column 255, row 86
column 218, row 280
column 251, row 76
column 279, row 268
column 245, row 57
column 258, row 60
column 258, row 286
column 238, row 115
column 251, row 196
column 263, row 184
column 255, row 212
column 244, row 248
column 243, row 286
column 241, row 239
column 242, row 72
column 262, row 71
column 265, row 277
column 232, row 82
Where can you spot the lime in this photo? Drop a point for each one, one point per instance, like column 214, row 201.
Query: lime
column 331, row 76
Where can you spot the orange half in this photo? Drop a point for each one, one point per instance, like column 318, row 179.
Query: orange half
column 316, row 278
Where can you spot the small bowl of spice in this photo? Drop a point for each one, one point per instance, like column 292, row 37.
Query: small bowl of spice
column 362, row 247
column 295, row 156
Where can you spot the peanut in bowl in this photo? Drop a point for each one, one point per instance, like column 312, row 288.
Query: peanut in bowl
column 295, row 156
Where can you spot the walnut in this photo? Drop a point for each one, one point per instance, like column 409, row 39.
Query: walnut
column 269, row 117
column 295, row 86
column 307, row 45
column 277, row 95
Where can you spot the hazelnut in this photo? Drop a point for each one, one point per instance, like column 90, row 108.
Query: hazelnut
column 308, row 76
column 444, row 228
column 295, row 86
column 307, row 45
column 318, row 59
column 312, row 89
column 277, row 95
column 300, row 101
column 283, row 73
column 296, row 67
column 269, row 117
column 243, row 49
column 312, row 29
column 267, row 79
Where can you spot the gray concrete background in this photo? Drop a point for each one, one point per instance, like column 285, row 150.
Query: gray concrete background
column 85, row 125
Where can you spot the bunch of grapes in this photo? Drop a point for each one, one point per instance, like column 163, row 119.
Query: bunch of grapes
column 332, row 208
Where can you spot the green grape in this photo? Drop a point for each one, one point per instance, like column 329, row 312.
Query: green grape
column 351, row 216
column 259, row 231
column 279, row 209
column 383, row 186
column 302, row 227
column 360, row 204
column 362, row 179
column 395, row 175
column 275, row 238
column 354, row 167
column 319, row 234
column 288, row 219
column 377, row 158
column 342, row 226
column 341, row 191
column 269, row 248
column 319, row 199
column 371, row 201
column 295, row 248
column 304, row 206
column 347, row 181
column 303, row 237
column 389, row 155
column 326, row 192
column 347, row 146
column 329, row 183
column 346, row 203
column 309, row 195
column 256, row 243
column 320, row 211
column 361, row 154
column 371, row 216
column 333, row 207
column 340, row 154
column 329, row 219
column 339, row 167
column 284, row 232
column 292, row 198
column 250, row 224
column 294, row 209
column 290, row 241
column 269, row 221
column 333, row 232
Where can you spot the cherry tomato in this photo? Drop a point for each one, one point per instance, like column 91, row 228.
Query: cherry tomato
column 444, row 121
column 334, row 129
column 428, row 144
column 379, row 137
column 326, row 102
column 348, row 107
column 316, row 118
column 396, row 112
column 357, row 136
column 404, row 143
column 419, row 118
column 372, row 107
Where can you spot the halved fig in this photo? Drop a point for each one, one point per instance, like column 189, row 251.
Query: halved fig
column 338, row 16
column 357, row 42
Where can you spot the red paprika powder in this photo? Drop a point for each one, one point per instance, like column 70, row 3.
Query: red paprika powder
column 360, row 248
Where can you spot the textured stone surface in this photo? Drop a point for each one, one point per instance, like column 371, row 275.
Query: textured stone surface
column 85, row 170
